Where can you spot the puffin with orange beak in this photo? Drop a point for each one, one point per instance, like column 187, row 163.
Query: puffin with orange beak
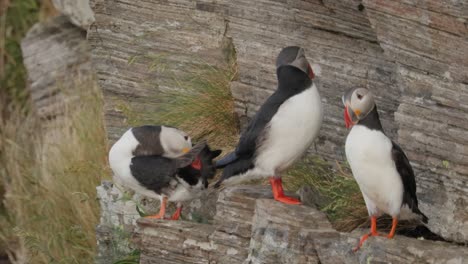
column 380, row 167
column 282, row 130
column 159, row 162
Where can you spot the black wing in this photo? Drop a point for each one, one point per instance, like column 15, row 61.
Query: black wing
column 293, row 81
column 153, row 172
column 407, row 177
column 241, row 159
column 255, row 131
column 253, row 134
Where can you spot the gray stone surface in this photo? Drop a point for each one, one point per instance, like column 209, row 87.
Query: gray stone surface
column 432, row 58
column 117, row 222
column 281, row 234
column 57, row 57
column 233, row 220
column 255, row 229
column 78, row 11
column 119, row 215
column 337, row 37
column 411, row 54
column 140, row 48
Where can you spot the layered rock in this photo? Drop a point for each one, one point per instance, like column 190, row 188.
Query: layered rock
column 411, row 55
column 57, row 57
column 119, row 214
column 249, row 227
column 79, row 12
column 432, row 58
column 140, row 48
column 336, row 36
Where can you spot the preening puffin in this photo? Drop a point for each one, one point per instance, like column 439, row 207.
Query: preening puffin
column 165, row 141
column 157, row 161
column 282, row 130
column 378, row 164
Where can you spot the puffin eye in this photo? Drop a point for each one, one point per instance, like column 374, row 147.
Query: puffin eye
column 359, row 96
column 186, row 137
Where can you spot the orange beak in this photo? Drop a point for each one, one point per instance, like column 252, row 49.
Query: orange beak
column 196, row 164
column 349, row 123
column 311, row 72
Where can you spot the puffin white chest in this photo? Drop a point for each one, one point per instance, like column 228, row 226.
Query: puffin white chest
column 183, row 191
column 369, row 154
column 291, row 131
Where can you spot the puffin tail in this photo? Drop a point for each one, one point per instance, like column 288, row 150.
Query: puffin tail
column 425, row 219
column 423, row 216
column 415, row 210
column 226, row 160
column 234, row 168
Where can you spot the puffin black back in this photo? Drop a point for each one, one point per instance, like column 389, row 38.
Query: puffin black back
column 149, row 142
column 155, row 172
column 406, row 173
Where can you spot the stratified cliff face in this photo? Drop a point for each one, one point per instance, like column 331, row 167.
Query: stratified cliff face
column 57, row 56
column 411, row 54
column 429, row 43
column 249, row 227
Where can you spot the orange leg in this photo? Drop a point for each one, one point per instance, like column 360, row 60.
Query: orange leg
column 278, row 192
column 176, row 215
column 392, row 231
column 372, row 233
column 162, row 210
column 374, row 226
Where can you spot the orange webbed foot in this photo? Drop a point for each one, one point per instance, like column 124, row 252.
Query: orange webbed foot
column 162, row 210
column 177, row 213
column 373, row 232
column 393, row 230
column 287, row 200
column 361, row 241
column 278, row 192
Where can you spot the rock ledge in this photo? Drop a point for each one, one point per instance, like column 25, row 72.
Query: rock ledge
column 250, row 227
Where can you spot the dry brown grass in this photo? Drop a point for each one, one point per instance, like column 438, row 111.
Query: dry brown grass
column 50, row 177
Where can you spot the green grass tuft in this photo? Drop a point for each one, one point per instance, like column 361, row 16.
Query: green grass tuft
column 203, row 106
column 132, row 258
column 337, row 193
column 197, row 100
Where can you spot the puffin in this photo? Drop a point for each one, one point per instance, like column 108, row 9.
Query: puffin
column 281, row 131
column 379, row 165
column 159, row 162
column 165, row 141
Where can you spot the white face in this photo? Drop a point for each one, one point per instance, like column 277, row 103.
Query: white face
column 175, row 142
column 358, row 103
column 362, row 102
